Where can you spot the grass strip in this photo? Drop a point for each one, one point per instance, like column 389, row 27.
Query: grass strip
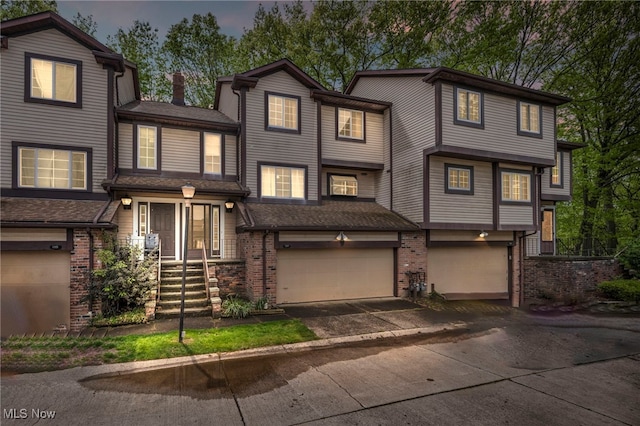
column 34, row 354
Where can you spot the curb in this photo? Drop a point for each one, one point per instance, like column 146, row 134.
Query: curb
column 140, row 366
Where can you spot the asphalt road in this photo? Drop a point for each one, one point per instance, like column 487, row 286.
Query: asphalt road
column 520, row 370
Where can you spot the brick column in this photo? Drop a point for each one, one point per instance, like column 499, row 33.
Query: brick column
column 412, row 257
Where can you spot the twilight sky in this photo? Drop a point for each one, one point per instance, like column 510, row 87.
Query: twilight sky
column 232, row 16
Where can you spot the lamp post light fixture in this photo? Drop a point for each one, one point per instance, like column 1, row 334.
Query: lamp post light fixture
column 126, row 202
column 229, row 204
column 188, row 191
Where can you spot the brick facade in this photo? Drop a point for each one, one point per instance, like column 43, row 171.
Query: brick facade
column 561, row 278
column 85, row 245
column 231, row 277
column 250, row 246
column 411, row 257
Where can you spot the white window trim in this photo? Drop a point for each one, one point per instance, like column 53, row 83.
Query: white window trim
column 155, row 150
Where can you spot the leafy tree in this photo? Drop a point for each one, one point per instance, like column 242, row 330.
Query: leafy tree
column 139, row 44
column 198, row 50
column 604, row 83
column 10, row 9
column 86, row 24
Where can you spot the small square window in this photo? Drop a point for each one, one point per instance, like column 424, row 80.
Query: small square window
column 516, row 187
column 282, row 113
column 343, row 185
column 350, row 124
column 50, row 80
column 458, row 179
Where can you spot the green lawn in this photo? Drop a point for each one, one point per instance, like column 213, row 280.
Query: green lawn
column 32, row 354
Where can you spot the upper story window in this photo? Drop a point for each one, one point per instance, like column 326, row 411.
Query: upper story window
column 343, row 185
column 556, row 171
column 52, row 80
column 52, row 168
column 212, row 153
column 147, row 148
column 529, row 119
column 468, row 107
column 283, row 182
column 350, row 124
column 283, row 112
column 516, row 186
column 459, row 179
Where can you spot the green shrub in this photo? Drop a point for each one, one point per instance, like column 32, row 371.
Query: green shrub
column 125, row 280
column 135, row 316
column 262, row 303
column 236, row 308
column 630, row 258
column 624, row 290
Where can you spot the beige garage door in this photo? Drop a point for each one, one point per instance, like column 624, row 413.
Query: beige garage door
column 35, row 291
column 469, row 272
column 316, row 275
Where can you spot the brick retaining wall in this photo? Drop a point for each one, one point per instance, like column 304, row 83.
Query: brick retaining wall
column 561, row 278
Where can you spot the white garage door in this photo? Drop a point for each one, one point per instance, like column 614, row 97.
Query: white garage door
column 316, row 275
column 469, row 272
column 35, row 291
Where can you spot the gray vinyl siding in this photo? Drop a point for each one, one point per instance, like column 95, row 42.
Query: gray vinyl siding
column 279, row 147
column 366, row 181
column 125, row 145
column 180, row 150
column 565, row 173
column 516, row 215
column 126, row 88
column 228, row 102
column 50, row 124
column 500, row 133
column 230, row 155
column 369, row 150
column 458, row 208
column 382, row 178
column 413, row 115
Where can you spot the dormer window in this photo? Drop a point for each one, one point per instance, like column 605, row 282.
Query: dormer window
column 350, row 124
column 52, row 80
column 468, row 108
column 529, row 119
column 283, row 112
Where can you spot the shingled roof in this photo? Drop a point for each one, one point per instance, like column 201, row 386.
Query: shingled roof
column 164, row 112
column 173, row 184
column 330, row 215
column 57, row 213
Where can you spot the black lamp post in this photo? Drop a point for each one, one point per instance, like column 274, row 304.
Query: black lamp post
column 188, row 192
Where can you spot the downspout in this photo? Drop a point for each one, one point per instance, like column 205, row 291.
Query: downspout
column 116, row 149
column 264, row 262
column 238, row 136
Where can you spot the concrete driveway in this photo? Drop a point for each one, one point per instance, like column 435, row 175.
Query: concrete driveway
column 496, row 369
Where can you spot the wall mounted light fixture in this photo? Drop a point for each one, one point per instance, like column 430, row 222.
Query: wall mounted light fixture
column 483, row 234
column 229, row 204
column 342, row 237
column 126, row 202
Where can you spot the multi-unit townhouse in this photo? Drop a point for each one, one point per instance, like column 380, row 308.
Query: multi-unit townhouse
column 313, row 194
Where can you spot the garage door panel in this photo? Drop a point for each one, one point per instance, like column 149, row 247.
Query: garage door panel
column 469, row 272
column 317, row 275
column 35, row 294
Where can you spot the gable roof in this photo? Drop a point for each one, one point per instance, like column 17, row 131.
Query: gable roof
column 431, row 75
column 250, row 78
column 47, row 20
column 54, row 213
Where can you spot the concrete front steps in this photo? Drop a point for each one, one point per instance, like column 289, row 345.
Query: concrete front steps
column 196, row 303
